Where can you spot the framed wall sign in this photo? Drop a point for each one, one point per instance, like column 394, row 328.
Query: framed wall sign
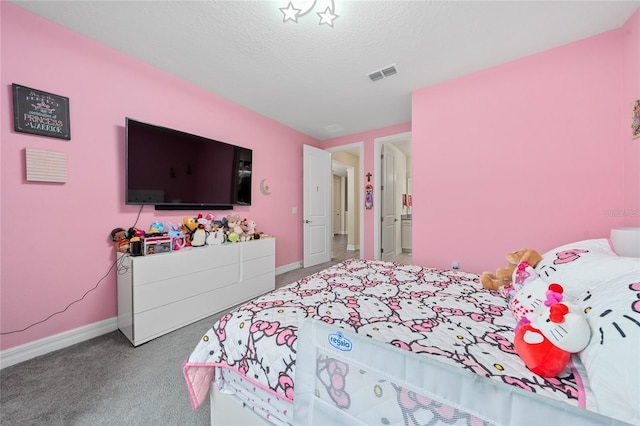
column 40, row 113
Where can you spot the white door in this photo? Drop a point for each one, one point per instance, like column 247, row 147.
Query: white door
column 317, row 205
column 337, row 205
column 388, row 208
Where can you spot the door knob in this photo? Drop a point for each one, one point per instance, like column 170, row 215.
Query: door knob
column 306, row 221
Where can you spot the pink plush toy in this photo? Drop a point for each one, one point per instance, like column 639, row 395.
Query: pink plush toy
column 251, row 227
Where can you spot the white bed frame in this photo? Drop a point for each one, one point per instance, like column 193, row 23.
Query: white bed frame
column 227, row 409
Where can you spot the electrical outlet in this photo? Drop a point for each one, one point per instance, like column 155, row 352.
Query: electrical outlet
column 455, row 265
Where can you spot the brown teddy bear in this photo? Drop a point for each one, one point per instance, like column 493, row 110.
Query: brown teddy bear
column 503, row 276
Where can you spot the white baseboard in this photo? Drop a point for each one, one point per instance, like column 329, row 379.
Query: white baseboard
column 43, row 346
column 21, row 353
column 352, row 247
column 290, row 267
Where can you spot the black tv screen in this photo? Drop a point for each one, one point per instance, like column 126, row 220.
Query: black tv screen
column 174, row 170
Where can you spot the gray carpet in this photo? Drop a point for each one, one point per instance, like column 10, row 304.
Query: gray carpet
column 105, row 381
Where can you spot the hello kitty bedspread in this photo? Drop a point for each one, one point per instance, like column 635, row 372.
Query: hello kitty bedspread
column 446, row 315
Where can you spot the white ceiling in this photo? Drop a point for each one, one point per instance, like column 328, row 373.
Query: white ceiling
column 312, row 76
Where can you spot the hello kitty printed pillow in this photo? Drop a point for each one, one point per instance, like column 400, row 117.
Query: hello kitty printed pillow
column 583, row 265
column 612, row 357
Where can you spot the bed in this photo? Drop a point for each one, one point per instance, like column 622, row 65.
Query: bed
column 372, row 342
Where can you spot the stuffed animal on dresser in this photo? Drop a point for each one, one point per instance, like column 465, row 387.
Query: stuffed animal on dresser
column 216, row 236
column 235, row 224
column 189, row 226
column 235, row 228
column 177, row 237
column 120, row 240
column 199, row 236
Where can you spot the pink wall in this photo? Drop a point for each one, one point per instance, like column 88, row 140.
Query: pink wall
column 368, row 138
column 526, row 154
column 631, row 80
column 534, row 152
column 55, row 244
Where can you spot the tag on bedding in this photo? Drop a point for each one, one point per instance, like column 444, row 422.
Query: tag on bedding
column 338, row 341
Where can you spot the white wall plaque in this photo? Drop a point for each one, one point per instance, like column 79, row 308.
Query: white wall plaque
column 46, row 166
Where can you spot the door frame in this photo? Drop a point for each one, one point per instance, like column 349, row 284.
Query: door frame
column 360, row 147
column 377, row 167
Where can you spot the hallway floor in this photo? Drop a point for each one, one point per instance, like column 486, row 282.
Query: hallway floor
column 339, row 253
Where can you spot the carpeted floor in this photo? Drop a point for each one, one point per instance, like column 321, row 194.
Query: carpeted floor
column 106, row 381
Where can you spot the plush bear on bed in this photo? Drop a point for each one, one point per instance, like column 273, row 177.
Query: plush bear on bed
column 503, row 276
column 549, row 329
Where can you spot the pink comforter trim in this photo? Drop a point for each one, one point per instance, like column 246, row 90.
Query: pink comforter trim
column 200, row 375
column 582, row 395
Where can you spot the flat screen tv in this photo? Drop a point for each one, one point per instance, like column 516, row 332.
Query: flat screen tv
column 174, row 170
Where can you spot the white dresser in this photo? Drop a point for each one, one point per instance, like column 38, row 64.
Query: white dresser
column 163, row 292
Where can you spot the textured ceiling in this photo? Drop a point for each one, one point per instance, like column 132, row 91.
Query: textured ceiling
column 311, row 76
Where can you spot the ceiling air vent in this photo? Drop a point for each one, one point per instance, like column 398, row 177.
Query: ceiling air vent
column 375, row 76
column 385, row 72
column 389, row 71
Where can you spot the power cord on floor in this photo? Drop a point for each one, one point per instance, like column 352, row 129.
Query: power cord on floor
column 121, row 269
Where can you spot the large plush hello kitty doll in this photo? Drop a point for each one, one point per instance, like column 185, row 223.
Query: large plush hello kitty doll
column 549, row 328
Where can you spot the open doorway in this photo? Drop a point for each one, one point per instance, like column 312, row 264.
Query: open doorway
column 347, row 169
column 393, row 217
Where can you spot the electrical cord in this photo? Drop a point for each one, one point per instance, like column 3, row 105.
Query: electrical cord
column 68, row 306
column 121, row 270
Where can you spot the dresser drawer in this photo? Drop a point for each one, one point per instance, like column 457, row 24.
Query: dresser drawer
column 160, row 267
column 257, row 248
column 164, row 292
